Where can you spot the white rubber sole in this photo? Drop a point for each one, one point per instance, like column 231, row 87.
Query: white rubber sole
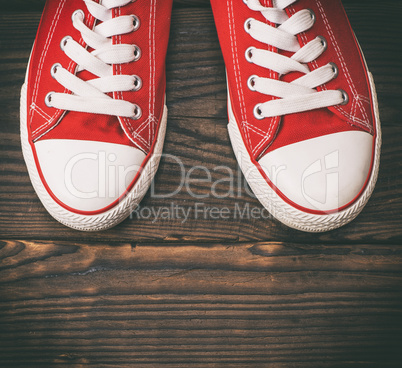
column 282, row 210
column 108, row 218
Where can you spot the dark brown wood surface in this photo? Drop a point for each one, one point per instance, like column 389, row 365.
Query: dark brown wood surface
column 234, row 292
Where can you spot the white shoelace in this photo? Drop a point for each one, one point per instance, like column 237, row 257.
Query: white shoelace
column 91, row 96
column 299, row 95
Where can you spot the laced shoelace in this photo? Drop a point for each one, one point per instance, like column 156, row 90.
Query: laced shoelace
column 299, row 95
column 91, row 96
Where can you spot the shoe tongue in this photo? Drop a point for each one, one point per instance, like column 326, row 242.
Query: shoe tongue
column 84, row 126
column 307, row 125
column 332, row 24
column 93, row 127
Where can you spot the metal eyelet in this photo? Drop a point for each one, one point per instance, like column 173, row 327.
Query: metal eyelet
column 64, row 41
column 137, row 53
column 137, row 83
column 323, row 41
column 344, row 96
column 78, row 11
column 251, row 82
column 257, row 112
column 137, row 112
column 53, row 69
column 312, row 14
column 249, row 54
column 247, row 25
column 48, row 99
column 136, row 22
column 334, row 69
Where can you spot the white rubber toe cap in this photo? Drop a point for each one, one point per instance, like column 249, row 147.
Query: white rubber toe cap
column 87, row 175
column 324, row 173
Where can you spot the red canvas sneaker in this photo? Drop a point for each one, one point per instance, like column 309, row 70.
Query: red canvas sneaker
column 93, row 114
column 303, row 113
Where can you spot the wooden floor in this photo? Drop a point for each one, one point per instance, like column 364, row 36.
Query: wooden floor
column 244, row 291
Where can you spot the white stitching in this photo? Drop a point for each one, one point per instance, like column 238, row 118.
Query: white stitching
column 43, row 129
column 152, row 112
column 272, row 121
column 45, row 50
column 135, row 133
column 41, row 63
column 344, row 67
column 119, row 94
column 324, row 87
column 150, row 64
column 236, row 66
column 34, row 106
column 256, row 129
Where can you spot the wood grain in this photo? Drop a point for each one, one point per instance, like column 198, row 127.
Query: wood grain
column 197, row 136
column 233, row 292
column 207, row 305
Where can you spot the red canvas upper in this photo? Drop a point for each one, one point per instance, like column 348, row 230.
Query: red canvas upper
column 151, row 37
column 262, row 136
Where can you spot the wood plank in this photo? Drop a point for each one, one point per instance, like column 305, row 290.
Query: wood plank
column 203, row 292
column 211, row 305
column 197, row 136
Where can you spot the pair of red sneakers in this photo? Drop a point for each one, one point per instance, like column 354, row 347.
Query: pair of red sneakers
column 303, row 114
